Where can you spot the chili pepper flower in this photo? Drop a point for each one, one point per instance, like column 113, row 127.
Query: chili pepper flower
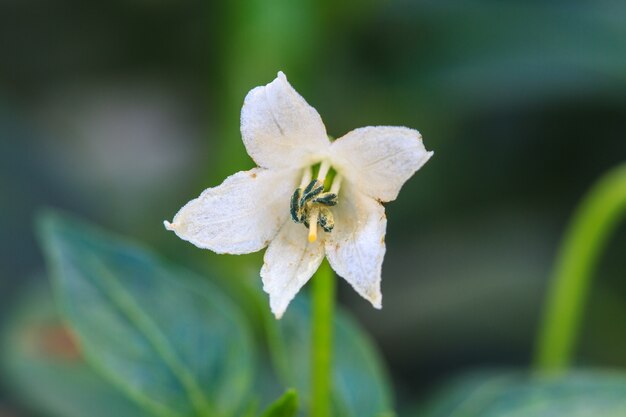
column 294, row 205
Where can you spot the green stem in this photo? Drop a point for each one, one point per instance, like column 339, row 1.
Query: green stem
column 584, row 241
column 323, row 305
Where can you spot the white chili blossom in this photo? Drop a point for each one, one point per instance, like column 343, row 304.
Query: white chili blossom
column 283, row 203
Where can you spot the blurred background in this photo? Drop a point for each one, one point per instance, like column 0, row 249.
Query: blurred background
column 122, row 111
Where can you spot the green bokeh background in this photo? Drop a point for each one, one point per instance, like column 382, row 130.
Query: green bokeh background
column 122, row 111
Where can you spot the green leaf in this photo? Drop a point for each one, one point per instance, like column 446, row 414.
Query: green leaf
column 360, row 384
column 46, row 369
column 518, row 394
column 285, row 406
column 166, row 336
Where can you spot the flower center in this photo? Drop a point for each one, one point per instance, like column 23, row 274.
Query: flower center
column 310, row 203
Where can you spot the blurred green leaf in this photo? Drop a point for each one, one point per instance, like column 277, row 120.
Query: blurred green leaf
column 517, row 394
column 285, row 406
column 484, row 47
column 47, row 371
column 166, row 336
column 360, row 384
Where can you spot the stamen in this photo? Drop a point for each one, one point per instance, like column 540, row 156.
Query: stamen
column 306, row 177
column 326, row 219
column 294, row 207
column 311, row 191
column 313, row 225
column 334, row 189
column 328, row 199
column 309, row 202
column 324, row 167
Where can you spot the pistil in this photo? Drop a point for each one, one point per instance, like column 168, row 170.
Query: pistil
column 313, row 224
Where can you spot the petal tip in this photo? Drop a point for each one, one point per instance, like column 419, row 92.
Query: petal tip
column 376, row 300
column 168, row 225
column 281, row 75
column 278, row 311
column 277, row 304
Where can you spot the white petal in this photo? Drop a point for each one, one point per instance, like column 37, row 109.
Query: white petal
column 379, row 159
column 290, row 260
column 356, row 246
column 280, row 129
column 239, row 216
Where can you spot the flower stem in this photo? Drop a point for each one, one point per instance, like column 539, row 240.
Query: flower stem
column 580, row 250
column 323, row 305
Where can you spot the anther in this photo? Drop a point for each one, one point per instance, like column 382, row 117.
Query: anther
column 311, row 191
column 309, row 203
column 294, row 207
column 326, row 220
column 328, row 199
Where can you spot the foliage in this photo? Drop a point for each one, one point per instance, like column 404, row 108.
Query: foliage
column 41, row 358
column 162, row 334
column 592, row 225
column 285, row 406
column 152, row 339
column 518, row 394
column 359, row 383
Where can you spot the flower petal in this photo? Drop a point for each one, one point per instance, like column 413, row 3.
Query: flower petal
column 356, row 246
column 280, row 129
column 239, row 216
column 380, row 159
column 290, row 260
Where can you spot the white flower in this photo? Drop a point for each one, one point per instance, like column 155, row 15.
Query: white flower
column 280, row 204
